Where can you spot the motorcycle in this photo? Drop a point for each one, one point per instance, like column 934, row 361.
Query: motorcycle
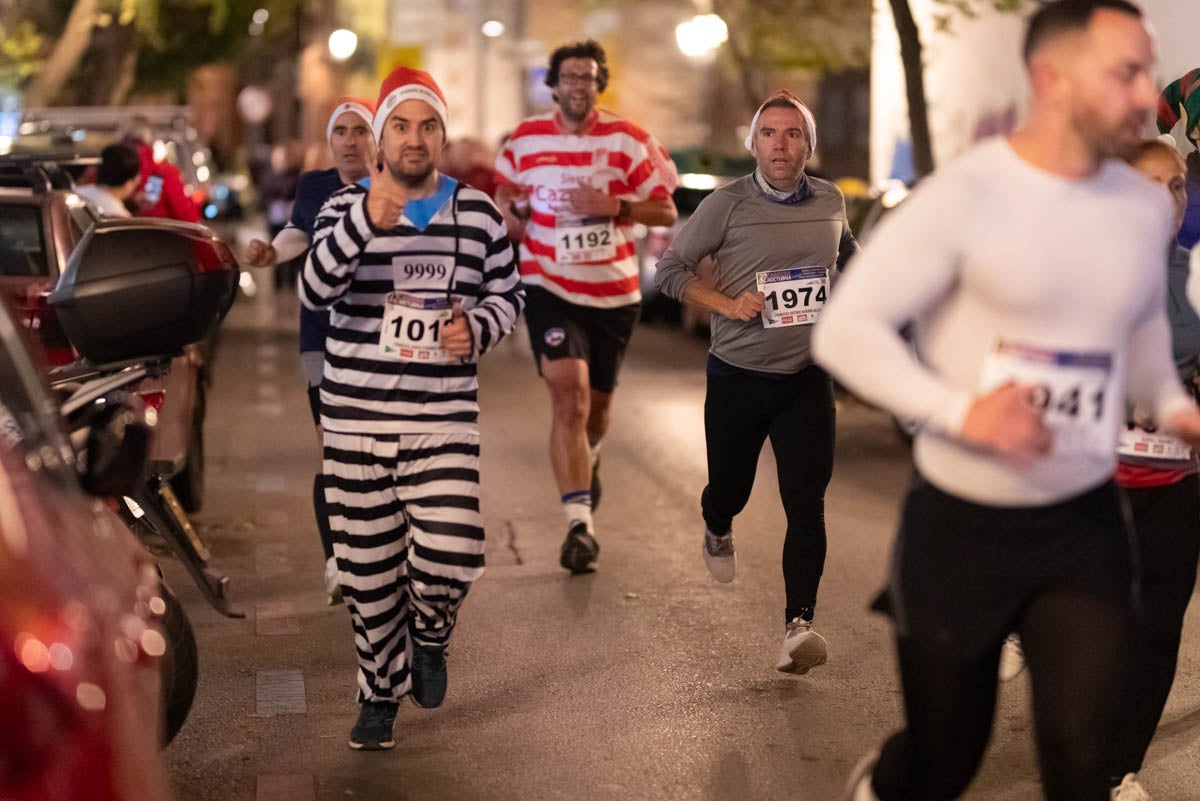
column 182, row 279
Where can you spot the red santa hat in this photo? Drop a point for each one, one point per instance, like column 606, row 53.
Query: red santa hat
column 354, row 105
column 406, row 83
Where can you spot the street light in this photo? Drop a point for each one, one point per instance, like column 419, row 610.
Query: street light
column 701, row 35
column 342, row 44
column 492, row 28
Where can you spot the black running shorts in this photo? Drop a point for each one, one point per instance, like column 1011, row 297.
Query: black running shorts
column 559, row 329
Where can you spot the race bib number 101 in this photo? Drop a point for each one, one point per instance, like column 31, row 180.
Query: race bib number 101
column 412, row 325
column 1075, row 390
column 794, row 296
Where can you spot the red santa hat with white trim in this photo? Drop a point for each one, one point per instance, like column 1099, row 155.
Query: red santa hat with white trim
column 406, row 83
column 354, row 105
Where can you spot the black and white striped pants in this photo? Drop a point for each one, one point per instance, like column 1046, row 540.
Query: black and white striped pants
column 408, row 538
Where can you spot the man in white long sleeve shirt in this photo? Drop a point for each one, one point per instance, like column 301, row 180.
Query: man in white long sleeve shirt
column 1032, row 268
column 352, row 145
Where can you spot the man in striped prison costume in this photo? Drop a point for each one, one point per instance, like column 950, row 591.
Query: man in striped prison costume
column 421, row 281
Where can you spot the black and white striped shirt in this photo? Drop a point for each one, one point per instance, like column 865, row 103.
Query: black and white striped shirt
column 352, row 267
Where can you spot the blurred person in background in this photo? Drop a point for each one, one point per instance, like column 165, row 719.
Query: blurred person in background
column 1158, row 473
column 1180, row 101
column 352, row 145
column 277, row 194
column 160, row 193
column 117, row 177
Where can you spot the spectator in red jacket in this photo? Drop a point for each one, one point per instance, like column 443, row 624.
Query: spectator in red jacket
column 161, row 193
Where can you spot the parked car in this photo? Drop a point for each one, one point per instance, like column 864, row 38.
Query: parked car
column 653, row 242
column 80, row 603
column 41, row 221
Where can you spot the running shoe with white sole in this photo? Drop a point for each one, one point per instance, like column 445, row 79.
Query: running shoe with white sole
column 719, row 556
column 1130, row 789
column 333, row 583
column 579, row 550
column 803, row 649
column 1012, row 658
column 373, row 729
column 858, row 786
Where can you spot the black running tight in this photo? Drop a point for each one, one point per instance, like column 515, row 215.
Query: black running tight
column 743, row 409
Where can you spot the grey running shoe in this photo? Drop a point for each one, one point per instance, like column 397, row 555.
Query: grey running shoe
column 428, row 676
column 1130, row 789
column 719, row 555
column 373, row 730
column 579, row 550
column 333, row 583
column 803, row 649
column 858, row 788
column 1012, row 658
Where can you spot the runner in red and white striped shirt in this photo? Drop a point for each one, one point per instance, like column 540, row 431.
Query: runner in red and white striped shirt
column 572, row 185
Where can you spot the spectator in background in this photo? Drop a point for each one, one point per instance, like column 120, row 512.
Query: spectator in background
column 1180, row 100
column 117, row 177
column 278, row 194
column 160, row 192
column 470, row 161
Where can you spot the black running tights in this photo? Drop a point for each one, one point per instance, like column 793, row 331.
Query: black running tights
column 740, row 411
column 1167, row 522
column 1073, row 645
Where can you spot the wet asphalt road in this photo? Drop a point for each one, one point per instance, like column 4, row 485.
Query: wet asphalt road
column 646, row 680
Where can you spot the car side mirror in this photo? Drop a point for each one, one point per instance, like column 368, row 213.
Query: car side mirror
column 113, row 458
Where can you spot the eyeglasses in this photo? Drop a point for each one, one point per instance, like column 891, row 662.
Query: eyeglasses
column 578, row 79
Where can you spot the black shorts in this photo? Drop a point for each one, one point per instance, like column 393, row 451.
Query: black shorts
column 962, row 573
column 559, row 329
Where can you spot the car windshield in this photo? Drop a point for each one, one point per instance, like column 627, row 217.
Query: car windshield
column 22, row 248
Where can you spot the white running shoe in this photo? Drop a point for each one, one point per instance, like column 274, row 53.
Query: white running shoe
column 333, row 583
column 1130, row 789
column 803, row 649
column 719, row 556
column 1012, row 658
column 858, row 787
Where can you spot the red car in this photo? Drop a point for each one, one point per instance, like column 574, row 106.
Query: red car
column 79, row 605
column 41, row 222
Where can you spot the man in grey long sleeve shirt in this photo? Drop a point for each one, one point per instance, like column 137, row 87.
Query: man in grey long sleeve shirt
column 774, row 238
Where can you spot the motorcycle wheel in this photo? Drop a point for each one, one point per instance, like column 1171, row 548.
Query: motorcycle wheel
column 188, row 484
column 179, row 666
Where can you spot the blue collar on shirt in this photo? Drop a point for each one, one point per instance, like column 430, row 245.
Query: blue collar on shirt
column 420, row 212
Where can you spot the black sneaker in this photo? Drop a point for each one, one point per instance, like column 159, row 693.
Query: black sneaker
column 579, row 550
column 373, row 731
column 428, row 676
column 595, row 488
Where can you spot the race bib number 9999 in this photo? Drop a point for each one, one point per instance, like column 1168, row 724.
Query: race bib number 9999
column 1075, row 390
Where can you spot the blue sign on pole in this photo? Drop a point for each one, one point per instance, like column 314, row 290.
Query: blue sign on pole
column 10, row 114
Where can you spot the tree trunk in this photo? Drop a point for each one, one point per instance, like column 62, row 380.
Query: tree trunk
column 914, row 84
column 65, row 56
column 126, row 72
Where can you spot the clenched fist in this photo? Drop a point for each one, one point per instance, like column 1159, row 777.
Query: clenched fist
column 745, row 307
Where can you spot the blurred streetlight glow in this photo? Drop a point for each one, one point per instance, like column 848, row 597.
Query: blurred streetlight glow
column 701, row 35
column 342, row 44
column 492, row 28
column 256, row 29
column 261, row 16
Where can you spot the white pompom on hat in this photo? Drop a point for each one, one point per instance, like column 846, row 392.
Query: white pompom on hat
column 354, row 105
column 784, row 94
column 406, row 83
